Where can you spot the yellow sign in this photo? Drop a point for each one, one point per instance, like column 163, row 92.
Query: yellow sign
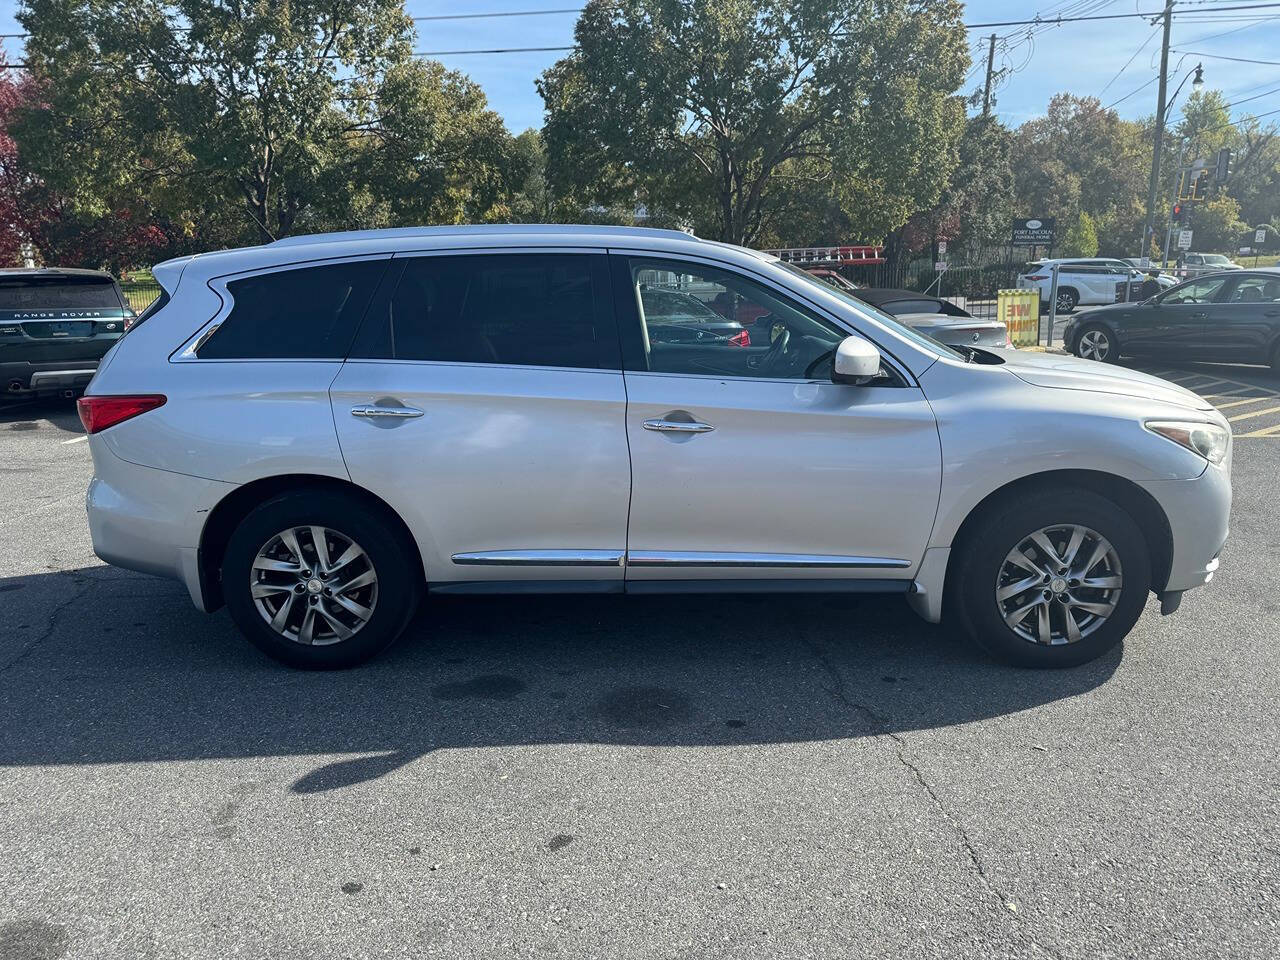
column 1019, row 311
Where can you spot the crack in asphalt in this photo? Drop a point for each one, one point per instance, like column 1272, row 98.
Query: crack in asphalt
column 83, row 584
column 839, row 693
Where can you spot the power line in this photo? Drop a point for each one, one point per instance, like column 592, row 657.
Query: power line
column 1039, row 22
column 1215, row 56
column 1150, row 37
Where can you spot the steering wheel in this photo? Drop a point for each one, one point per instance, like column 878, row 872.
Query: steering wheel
column 773, row 356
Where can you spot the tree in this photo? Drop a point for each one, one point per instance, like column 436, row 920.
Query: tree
column 1080, row 157
column 712, row 111
column 1081, row 239
column 250, row 121
column 975, row 207
column 1217, row 224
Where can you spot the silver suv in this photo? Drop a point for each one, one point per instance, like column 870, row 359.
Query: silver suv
column 1087, row 281
column 319, row 431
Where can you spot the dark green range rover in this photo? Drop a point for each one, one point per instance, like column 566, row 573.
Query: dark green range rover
column 55, row 325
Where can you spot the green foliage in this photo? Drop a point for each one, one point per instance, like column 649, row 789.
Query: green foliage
column 723, row 113
column 257, row 120
column 1217, row 224
column 1081, row 239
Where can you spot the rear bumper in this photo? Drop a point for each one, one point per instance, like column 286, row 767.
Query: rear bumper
column 1199, row 514
column 46, row 376
column 149, row 520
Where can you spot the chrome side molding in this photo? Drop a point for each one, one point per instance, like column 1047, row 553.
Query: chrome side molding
column 700, row 558
column 672, row 558
column 540, row 558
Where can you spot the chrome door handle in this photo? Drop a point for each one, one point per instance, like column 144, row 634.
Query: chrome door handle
column 370, row 411
column 677, row 426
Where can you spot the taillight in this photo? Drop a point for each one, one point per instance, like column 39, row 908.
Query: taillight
column 742, row 339
column 1036, row 276
column 98, row 413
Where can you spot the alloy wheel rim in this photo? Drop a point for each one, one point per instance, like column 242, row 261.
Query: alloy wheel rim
column 1059, row 584
column 313, row 585
column 1065, row 303
column 1094, row 345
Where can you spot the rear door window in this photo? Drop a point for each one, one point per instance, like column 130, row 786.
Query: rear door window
column 305, row 313
column 551, row 310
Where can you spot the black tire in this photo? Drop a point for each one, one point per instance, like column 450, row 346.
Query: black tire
column 980, row 560
column 1105, row 347
column 395, row 563
column 1068, row 299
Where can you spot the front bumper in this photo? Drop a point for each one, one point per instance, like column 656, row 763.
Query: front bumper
column 149, row 520
column 1199, row 514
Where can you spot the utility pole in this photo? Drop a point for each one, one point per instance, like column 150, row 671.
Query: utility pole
column 986, row 89
column 1149, row 228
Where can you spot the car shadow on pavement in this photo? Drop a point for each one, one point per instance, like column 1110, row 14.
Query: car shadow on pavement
column 27, row 414
column 106, row 666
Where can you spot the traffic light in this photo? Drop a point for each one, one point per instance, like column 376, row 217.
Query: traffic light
column 1222, row 166
column 1186, row 184
column 1176, row 215
column 1200, row 185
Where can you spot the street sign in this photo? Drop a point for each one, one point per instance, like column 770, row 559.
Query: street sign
column 1260, row 236
column 940, row 266
column 942, row 248
column 1184, row 239
column 1034, row 232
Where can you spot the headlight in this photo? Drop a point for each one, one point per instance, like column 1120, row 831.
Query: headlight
column 1207, row 439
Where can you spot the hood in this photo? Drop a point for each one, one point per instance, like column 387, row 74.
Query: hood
column 1104, row 308
column 1070, row 373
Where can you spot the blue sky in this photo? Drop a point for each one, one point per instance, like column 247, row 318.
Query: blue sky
column 1082, row 58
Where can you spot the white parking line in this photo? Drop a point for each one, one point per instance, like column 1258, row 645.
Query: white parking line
column 1240, row 403
column 1264, row 432
column 1254, row 413
column 75, row 440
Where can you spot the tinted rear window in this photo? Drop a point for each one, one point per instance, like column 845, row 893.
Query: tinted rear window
column 521, row 309
column 36, row 293
column 309, row 313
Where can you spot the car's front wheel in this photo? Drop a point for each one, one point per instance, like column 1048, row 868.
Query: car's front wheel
column 319, row 580
column 1052, row 578
column 1097, row 343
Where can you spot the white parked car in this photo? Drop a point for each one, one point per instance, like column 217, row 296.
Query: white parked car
column 319, row 431
column 1197, row 264
column 1082, row 281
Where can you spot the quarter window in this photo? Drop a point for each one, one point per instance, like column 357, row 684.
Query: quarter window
column 520, row 309
column 703, row 320
column 309, row 313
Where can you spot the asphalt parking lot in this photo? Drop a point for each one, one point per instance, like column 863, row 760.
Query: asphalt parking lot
column 638, row 777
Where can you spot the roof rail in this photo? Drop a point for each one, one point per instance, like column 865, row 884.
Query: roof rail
column 498, row 229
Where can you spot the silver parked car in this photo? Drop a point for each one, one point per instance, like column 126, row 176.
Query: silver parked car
column 319, row 431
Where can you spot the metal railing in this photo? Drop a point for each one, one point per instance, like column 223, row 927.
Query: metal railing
column 139, row 293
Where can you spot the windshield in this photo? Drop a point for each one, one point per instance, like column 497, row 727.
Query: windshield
column 1215, row 258
column 862, row 306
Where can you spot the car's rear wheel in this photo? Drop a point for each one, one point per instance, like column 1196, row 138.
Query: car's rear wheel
column 319, row 580
column 1096, row 342
column 1054, row 578
column 1067, row 299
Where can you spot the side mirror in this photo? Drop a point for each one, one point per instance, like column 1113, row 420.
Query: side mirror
column 856, row 361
